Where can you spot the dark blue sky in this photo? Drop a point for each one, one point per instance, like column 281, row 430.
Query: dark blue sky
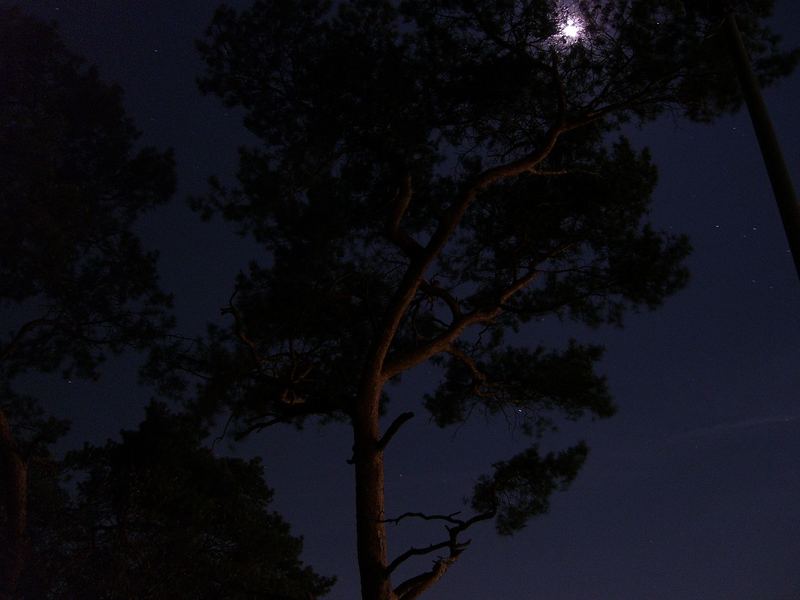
column 691, row 492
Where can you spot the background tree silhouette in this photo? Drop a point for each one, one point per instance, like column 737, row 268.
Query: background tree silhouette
column 157, row 515
column 433, row 176
column 76, row 283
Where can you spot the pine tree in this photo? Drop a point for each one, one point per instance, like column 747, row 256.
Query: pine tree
column 433, row 175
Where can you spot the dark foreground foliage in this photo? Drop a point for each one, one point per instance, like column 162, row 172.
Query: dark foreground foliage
column 159, row 516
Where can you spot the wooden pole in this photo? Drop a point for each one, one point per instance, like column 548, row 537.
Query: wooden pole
column 765, row 132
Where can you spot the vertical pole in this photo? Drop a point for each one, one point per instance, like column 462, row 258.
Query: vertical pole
column 765, row 132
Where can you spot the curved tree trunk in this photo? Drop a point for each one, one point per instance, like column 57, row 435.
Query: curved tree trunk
column 14, row 482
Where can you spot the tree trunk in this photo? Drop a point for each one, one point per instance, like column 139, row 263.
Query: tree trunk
column 14, row 481
column 370, row 528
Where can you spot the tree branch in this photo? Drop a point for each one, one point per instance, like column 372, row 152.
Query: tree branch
column 478, row 376
column 415, row 552
column 418, row 515
column 406, row 360
column 395, row 234
column 393, row 428
column 435, row 290
column 413, row 277
column 442, row 342
column 415, row 586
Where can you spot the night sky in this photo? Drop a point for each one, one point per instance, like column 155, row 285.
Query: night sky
column 691, row 492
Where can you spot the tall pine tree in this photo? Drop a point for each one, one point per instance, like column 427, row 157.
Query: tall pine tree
column 432, row 175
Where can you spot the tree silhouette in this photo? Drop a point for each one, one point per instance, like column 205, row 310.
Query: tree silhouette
column 75, row 283
column 435, row 174
column 157, row 515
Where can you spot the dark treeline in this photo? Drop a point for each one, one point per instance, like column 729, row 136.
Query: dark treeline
column 157, row 514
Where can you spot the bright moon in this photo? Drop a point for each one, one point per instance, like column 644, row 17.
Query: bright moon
column 571, row 29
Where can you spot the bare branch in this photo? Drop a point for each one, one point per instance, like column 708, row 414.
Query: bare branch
column 222, row 435
column 415, row 552
column 415, row 586
column 393, row 428
column 418, row 515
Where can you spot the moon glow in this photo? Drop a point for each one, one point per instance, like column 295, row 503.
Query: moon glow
column 571, row 29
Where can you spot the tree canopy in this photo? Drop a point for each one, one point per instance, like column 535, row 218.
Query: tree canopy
column 75, row 282
column 71, row 185
column 433, row 175
column 158, row 515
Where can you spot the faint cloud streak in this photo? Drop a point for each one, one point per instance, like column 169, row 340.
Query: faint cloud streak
column 723, row 428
